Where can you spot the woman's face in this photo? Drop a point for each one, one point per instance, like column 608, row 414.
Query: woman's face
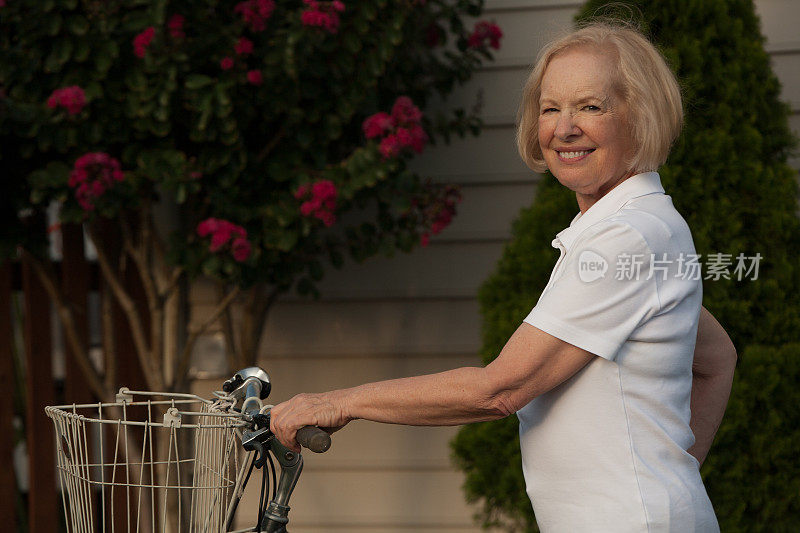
column 583, row 130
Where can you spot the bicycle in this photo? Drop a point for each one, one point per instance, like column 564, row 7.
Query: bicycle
column 183, row 473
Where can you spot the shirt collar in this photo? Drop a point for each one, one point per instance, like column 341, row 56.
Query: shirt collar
column 633, row 187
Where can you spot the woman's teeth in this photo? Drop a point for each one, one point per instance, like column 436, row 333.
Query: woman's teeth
column 573, row 155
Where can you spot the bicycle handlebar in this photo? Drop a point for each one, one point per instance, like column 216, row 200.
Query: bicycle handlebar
column 315, row 439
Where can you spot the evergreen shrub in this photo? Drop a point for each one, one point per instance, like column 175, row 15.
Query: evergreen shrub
column 728, row 176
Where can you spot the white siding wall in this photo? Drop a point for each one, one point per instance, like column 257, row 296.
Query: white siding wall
column 418, row 313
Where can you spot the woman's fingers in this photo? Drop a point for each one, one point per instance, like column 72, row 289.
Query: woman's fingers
column 304, row 410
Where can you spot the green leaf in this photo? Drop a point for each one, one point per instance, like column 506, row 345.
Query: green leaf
column 205, row 112
column 160, row 129
column 222, row 95
column 52, row 24
column 77, row 25
column 352, row 43
column 64, row 50
column 93, row 90
column 197, row 81
column 82, row 49
column 212, row 265
column 135, row 79
column 104, row 58
column 286, row 240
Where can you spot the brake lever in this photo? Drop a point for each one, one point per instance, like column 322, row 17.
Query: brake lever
column 257, row 441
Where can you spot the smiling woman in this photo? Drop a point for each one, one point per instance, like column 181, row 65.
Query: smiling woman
column 600, row 371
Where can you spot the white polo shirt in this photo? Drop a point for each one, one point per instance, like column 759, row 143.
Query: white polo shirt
column 605, row 451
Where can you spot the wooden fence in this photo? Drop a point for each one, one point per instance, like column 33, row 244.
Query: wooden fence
column 26, row 375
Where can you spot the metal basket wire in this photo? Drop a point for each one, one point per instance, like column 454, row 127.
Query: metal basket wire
column 148, row 462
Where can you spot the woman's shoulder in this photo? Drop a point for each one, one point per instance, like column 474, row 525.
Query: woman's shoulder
column 651, row 220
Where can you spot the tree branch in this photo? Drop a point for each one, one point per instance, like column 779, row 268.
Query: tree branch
column 171, row 284
column 195, row 332
column 139, row 256
column 232, row 353
column 262, row 155
column 253, row 327
column 47, row 280
column 138, row 252
column 152, row 376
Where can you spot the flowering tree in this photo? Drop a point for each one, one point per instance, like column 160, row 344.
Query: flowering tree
column 261, row 125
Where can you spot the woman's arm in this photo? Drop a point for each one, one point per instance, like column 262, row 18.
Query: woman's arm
column 531, row 363
column 712, row 376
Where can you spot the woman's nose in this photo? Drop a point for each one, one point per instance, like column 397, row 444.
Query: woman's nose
column 566, row 127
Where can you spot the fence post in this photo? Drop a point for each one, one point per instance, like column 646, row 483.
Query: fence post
column 75, row 280
column 42, row 498
column 8, row 482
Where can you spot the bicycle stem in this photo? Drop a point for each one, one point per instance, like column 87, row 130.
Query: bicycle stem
column 277, row 515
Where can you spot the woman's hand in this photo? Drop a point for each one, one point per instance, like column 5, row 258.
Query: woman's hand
column 324, row 410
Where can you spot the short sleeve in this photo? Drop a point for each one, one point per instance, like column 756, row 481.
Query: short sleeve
column 602, row 292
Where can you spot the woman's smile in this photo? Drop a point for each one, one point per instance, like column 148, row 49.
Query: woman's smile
column 573, row 155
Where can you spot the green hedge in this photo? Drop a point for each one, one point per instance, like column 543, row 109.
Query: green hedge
column 729, row 178
column 752, row 474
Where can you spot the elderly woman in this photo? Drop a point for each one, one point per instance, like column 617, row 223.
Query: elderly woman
column 618, row 376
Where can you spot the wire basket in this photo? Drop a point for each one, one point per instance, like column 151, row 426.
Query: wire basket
column 148, row 462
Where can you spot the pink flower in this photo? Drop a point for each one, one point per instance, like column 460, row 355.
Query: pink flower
column 443, row 209
column 377, row 124
column 302, row 191
column 226, row 63
column 485, row 30
column 324, row 189
column 322, row 203
column 327, row 218
column 241, row 249
column 401, row 129
column 175, row 26
column 243, row 46
column 71, row 98
column 390, row 146
column 77, row 176
column 404, row 111
column 221, row 232
column 142, row 41
column 255, row 13
column 207, row 227
column 309, row 207
column 425, row 239
column 417, row 138
column 254, row 77
column 94, row 173
column 322, row 15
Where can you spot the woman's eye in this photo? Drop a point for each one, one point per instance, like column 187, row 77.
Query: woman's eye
column 548, row 110
column 591, row 108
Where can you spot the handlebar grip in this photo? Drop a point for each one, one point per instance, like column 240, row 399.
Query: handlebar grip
column 314, row 438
